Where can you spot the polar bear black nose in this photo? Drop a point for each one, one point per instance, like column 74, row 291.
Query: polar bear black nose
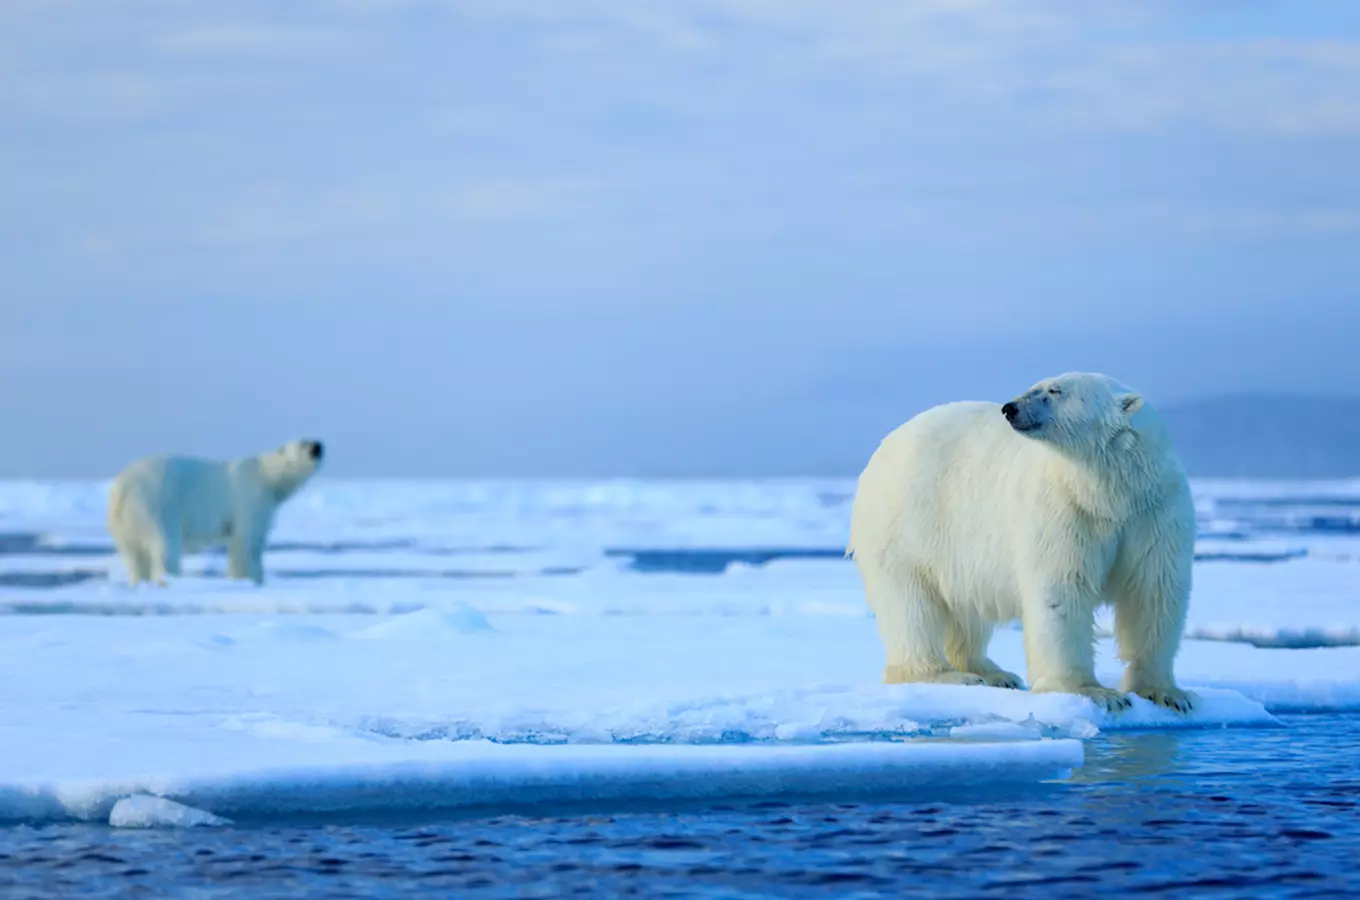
column 1009, row 411
column 317, row 450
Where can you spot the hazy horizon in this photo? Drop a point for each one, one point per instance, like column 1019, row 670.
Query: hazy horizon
column 719, row 237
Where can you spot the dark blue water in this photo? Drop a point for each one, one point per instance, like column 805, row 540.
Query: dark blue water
column 1226, row 813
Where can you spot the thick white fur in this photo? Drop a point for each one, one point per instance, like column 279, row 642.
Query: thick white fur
column 165, row 506
column 962, row 521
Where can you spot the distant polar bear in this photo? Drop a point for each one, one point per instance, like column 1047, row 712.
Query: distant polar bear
column 164, row 506
column 1066, row 498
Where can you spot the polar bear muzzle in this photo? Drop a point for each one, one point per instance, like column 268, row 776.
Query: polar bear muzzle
column 1027, row 414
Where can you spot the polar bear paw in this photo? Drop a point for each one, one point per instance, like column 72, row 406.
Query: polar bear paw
column 1105, row 698
column 1003, row 679
column 901, row 675
column 1172, row 698
column 967, row 678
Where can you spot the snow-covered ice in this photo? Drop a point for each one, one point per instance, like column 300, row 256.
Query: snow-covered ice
column 239, row 714
column 455, row 645
column 1278, row 562
column 1303, row 603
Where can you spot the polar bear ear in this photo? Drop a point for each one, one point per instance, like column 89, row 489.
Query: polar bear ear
column 1130, row 403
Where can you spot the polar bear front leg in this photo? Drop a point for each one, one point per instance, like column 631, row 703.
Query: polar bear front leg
column 1150, row 606
column 1059, row 625
column 245, row 553
column 172, row 551
column 244, row 559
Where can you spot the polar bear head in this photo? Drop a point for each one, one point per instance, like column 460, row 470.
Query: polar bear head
column 286, row 469
column 1079, row 411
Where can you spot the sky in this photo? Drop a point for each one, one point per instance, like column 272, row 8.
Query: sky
column 654, row 237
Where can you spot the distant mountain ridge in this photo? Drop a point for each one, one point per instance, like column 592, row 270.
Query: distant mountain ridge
column 1267, row 436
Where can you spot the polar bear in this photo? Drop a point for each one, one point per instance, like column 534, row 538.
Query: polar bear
column 1066, row 498
column 164, row 506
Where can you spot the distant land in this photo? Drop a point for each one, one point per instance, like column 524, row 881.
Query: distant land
column 1267, row 436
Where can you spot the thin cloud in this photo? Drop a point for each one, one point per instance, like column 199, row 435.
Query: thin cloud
column 238, row 38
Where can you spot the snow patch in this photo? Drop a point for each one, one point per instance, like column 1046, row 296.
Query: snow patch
column 428, row 624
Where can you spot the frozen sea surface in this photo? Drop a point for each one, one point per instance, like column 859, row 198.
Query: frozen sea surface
column 1160, row 814
column 431, row 648
column 770, row 548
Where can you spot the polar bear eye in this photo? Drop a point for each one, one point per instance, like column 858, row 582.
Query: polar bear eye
column 1055, row 391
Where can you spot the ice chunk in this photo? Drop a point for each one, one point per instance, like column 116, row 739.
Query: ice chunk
column 1001, row 730
column 144, row 811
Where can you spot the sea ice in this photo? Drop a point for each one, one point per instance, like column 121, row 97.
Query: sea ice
column 455, row 645
column 365, row 777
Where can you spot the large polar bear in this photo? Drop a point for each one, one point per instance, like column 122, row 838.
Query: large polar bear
column 165, row 506
column 1067, row 497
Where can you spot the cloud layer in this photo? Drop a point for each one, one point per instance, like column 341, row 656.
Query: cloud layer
column 711, row 236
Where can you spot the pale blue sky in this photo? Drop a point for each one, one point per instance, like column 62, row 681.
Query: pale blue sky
column 516, row 237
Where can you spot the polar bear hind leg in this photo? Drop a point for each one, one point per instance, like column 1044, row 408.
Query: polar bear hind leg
column 910, row 620
column 137, row 538
column 965, row 646
column 136, row 559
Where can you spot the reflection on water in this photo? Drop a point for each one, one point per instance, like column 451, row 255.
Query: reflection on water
column 1132, row 757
